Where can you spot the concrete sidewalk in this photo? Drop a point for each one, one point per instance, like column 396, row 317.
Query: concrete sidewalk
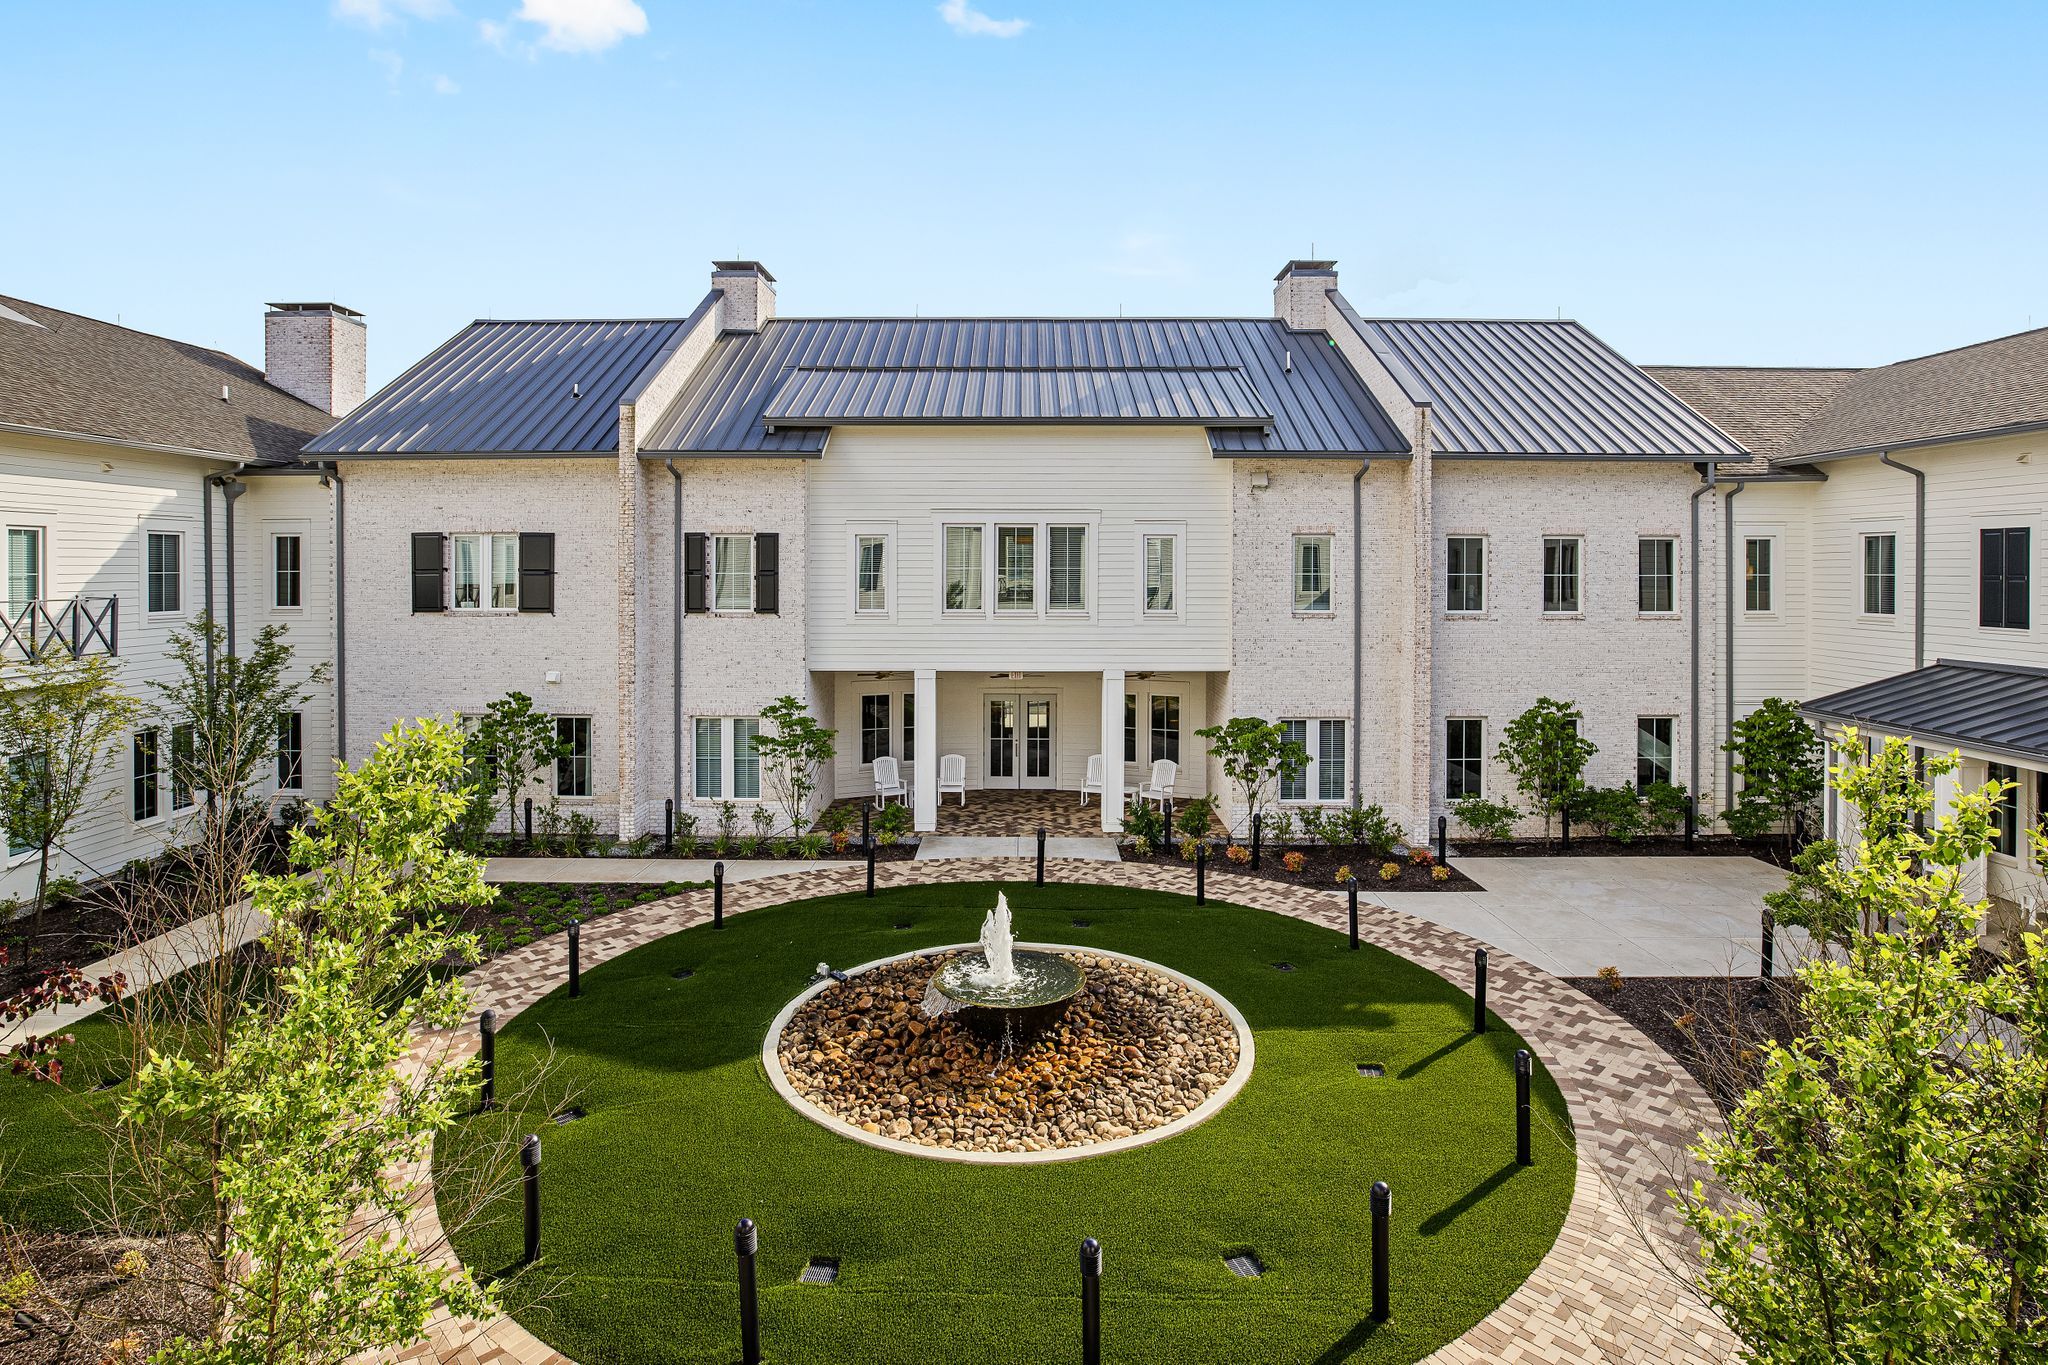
column 647, row 869
column 1099, row 850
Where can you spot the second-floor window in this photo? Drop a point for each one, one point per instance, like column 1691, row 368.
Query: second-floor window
column 1160, row 554
column 1561, row 574
column 286, row 553
column 1881, row 575
column 963, row 568
column 732, row 573
column 1656, row 575
column 870, row 568
column 1016, row 567
column 486, row 572
column 1312, row 573
column 24, row 567
column 164, row 586
column 2002, row 578
column 1066, row 567
column 1758, row 584
column 1465, row 581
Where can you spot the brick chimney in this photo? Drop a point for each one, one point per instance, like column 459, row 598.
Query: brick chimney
column 749, row 294
column 318, row 352
column 1298, row 294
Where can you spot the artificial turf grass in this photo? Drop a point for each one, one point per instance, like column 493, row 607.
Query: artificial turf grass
column 945, row 1262
column 54, row 1139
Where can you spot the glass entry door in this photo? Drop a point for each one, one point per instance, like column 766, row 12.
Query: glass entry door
column 1020, row 742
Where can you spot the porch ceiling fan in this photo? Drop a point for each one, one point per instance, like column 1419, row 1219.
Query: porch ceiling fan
column 1014, row 677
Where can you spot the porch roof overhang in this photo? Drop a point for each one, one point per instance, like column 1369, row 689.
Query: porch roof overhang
column 1989, row 708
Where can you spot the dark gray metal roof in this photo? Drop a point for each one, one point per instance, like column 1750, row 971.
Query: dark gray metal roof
column 1259, row 386
column 1539, row 389
column 509, row 388
column 2000, row 707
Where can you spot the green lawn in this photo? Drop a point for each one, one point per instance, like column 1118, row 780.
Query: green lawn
column 942, row 1262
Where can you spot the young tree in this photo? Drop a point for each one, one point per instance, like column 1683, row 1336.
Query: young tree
column 794, row 750
column 1888, row 1177
column 61, row 720
column 1778, row 757
column 307, row 1111
column 509, row 747
column 229, row 710
column 1255, row 754
column 1544, row 750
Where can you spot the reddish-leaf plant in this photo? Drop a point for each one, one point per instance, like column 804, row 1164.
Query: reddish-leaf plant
column 34, row 1058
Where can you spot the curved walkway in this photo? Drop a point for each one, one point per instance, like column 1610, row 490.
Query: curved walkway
column 1604, row 1293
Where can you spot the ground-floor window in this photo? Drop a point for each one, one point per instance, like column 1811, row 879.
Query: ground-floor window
column 1165, row 728
column 910, row 725
column 26, row 767
column 1130, row 727
column 727, row 766
column 182, row 754
column 291, row 751
column 1325, row 774
column 874, row 727
column 2007, row 812
column 144, row 773
column 1464, row 760
column 572, row 763
column 1653, row 750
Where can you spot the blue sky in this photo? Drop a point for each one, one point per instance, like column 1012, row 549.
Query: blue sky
column 1811, row 184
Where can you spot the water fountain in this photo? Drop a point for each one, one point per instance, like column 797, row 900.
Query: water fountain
column 1005, row 992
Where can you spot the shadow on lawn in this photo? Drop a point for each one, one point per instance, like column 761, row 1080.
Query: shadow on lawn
column 1350, row 1343
column 1416, row 1068
column 1472, row 1198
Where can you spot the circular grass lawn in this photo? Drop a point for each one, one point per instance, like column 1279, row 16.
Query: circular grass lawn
column 942, row 1262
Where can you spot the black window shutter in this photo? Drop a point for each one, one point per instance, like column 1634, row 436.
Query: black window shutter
column 2017, row 574
column 768, row 573
column 429, row 592
column 693, row 571
column 1990, row 578
column 537, row 571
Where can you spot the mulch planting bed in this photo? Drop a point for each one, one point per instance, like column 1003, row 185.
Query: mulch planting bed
column 1714, row 1026
column 74, row 932
column 1771, row 851
column 525, row 911
column 1319, row 868
column 92, row 1300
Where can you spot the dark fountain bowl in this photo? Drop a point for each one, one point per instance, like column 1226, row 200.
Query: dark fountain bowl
column 1046, row 984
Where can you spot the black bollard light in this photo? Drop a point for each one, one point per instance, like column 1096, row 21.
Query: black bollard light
column 871, row 866
column 1256, row 820
column 1525, row 1067
column 529, row 822
column 718, row 895
column 1352, row 887
column 1041, row 855
column 668, row 825
column 1091, row 1302
column 1479, row 990
column 867, row 840
column 1382, row 1218
column 1201, row 872
column 487, row 1060
column 1565, row 817
column 1691, row 817
column 746, row 1242
column 1443, row 841
column 529, row 1162
column 1770, row 942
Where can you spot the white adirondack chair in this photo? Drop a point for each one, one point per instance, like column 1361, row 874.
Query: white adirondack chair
column 888, row 781
column 1093, row 783
column 1160, row 787
column 953, row 776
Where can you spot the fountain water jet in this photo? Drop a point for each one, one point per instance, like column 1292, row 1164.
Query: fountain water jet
column 1004, row 991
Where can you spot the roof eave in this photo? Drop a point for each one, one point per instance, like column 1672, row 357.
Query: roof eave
column 1919, row 443
column 154, row 447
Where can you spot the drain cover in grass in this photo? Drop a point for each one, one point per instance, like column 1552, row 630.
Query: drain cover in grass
column 1372, row 1071
column 821, row 1270
column 1245, row 1265
column 1283, row 966
column 569, row 1115
column 683, row 973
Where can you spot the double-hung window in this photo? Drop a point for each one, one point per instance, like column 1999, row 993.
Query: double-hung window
column 291, row 751
column 1066, row 567
column 1159, row 556
column 1464, row 761
column 163, row 587
column 486, row 572
column 1881, row 574
column 144, row 773
column 1465, row 575
column 1324, row 779
column 732, row 573
column 1653, row 750
column 871, row 574
column 27, row 768
column 2006, row 814
column 287, row 567
column 2002, row 578
column 1312, row 573
column 1561, row 574
column 24, row 567
column 1130, row 727
column 572, row 757
column 1165, row 727
column 727, row 764
column 963, row 568
column 1758, row 583
column 874, row 726
column 1016, row 568
column 183, row 753
column 1656, row 575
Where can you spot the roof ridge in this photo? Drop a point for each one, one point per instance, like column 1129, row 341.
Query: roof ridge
column 132, row 331
column 1773, row 369
column 1966, row 346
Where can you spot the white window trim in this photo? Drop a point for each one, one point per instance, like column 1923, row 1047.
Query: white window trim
column 485, row 565
column 1670, row 761
column 981, row 611
column 1177, row 532
column 43, row 564
column 555, row 775
column 1863, row 539
column 895, row 726
column 1677, row 595
column 1485, row 576
column 1087, row 607
column 1312, row 776
column 1445, row 770
column 725, row 762
column 162, row 779
column 184, row 571
column 992, row 590
column 712, row 540
column 1770, row 538
column 1574, row 613
column 1041, row 523
column 855, row 533
column 275, row 606
column 1294, row 572
column 277, row 753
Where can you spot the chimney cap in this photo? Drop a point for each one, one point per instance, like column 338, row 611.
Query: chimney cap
column 334, row 308
column 742, row 268
column 1307, row 268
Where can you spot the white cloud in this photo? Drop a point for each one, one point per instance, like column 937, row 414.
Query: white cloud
column 391, row 62
column 445, row 86
column 378, row 13
column 577, row 25
column 493, row 33
column 969, row 22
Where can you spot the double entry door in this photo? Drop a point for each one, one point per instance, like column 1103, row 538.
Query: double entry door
column 1017, row 729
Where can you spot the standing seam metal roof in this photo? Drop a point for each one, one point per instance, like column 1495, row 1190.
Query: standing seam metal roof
column 1260, row 386
column 1542, row 388
column 508, row 387
column 2002, row 707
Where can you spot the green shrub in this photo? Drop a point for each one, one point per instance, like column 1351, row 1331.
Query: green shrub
column 836, row 819
column 893, row 822
column 1616, row 812
column 1193, row 816
column 749, row 845
column 1486, row 819
column 1664, row 806
column 1145, row 824
column 812, row 845
column 1369, row 827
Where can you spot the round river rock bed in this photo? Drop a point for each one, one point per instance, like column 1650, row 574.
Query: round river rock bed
column 1135, row 1050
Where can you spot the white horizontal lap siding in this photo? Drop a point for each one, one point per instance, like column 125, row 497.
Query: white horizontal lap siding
column 1615, row 663
column 1118, row 480
column 403, row 665
column 1771, row 647
column 1983, row 485
column 1862, row 496
column 292, row 504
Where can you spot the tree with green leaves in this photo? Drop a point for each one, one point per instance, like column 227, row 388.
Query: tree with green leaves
column 224, row 709
column 1884, row 1186
column 1256, row 754
column 794, row 749
column 291, row 1136
column 508, row 748
column 1544, row 750
column 61, row 722
column 1779, row 759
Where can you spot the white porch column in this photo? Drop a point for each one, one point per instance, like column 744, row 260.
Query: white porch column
column 925, row 799
column 1112, row 751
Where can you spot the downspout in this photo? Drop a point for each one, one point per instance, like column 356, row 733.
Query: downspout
column 1919, row 557
column 676, row 632
column 1693, row 771
column 332, row 478
column 1357, row 625
column 206, row 541
column 1728, row 652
